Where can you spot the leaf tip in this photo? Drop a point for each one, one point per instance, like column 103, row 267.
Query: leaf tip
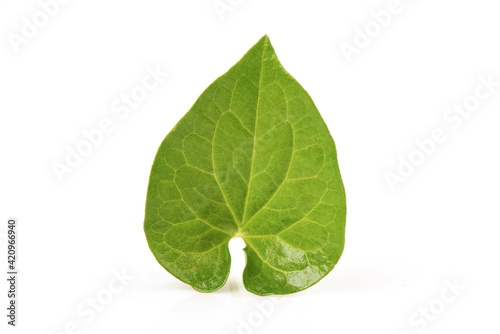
column 265, row 39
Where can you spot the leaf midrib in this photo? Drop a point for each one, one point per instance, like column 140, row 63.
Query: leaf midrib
column 236, row 221
column 243, row 216
column 244, row 219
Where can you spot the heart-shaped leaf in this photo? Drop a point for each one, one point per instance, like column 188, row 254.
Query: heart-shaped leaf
column 252, row 159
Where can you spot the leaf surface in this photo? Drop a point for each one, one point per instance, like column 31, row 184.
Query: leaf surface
column 253, row 159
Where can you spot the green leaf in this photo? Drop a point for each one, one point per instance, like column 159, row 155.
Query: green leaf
column 252, row 159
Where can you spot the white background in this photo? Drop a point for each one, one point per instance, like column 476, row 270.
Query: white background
column 402, row 246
